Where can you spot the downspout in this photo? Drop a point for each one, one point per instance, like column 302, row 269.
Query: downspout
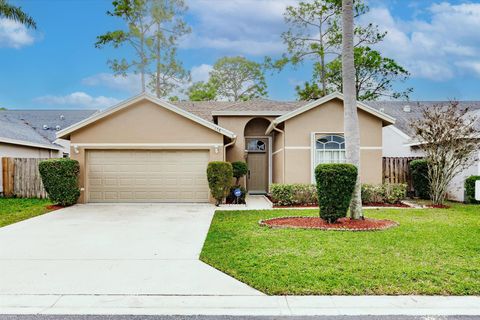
column 228, row 145
column 282, row 132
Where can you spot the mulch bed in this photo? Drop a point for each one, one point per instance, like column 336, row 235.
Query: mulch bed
column 437, row 206
column 382, row 204
column 343, row 224
column 53, row 207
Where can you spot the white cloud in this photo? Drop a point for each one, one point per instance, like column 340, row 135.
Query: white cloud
column 14, row 34
column 130, row 83
column 438, row 48
column 238, row 26
column 201, row 72
column 79, row 100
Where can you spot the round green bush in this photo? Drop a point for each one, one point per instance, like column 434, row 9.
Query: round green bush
column 470, row 189
column 219, row 176
column 240, row 169
column 335, row 185
column 421, row 185
column 60, row 179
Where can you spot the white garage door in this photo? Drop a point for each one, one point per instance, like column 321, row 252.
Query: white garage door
column 147, row 176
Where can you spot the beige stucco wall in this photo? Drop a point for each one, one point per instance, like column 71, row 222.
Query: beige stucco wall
column 278, row 157
column 328, row 118
column 237, row 124
column 144, row 122
column 20, row 151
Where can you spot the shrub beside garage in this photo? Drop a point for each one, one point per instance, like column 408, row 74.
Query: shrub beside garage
column 60, row 179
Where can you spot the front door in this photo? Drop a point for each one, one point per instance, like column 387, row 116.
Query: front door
column 257, row 159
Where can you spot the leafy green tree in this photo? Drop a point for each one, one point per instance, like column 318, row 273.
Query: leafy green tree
column 168, row 27
column 238, row 79
column 9, row 11
column 315, row 34
column 134, row 13
column 202, row 91
column 374, row 75
column 309, row 91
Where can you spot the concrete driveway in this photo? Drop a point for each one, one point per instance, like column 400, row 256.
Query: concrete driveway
column 113, row 249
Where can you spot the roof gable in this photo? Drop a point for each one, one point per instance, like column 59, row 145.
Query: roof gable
column 65, row 133
column 336, row 95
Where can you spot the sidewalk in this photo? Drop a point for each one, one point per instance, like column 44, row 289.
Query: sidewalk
column 239, row 305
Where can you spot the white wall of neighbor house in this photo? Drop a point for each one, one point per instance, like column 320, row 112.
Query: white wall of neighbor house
column 20, row 151
column 65, row 145
column 456, row 188
column 394, row 143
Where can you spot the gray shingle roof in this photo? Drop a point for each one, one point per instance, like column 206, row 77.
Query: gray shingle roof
column 27, row 125
column 204, row 109
column 404, row 119
column 36, row 119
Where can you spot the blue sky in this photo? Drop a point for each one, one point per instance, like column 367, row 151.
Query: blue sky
column 58, row 66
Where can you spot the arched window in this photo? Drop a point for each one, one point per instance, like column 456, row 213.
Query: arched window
column 330, row 149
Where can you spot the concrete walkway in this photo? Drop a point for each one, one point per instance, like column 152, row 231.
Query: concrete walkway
column 238, row 305
column 123, row 249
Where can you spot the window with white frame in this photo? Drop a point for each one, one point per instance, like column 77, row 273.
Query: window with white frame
column 330, row 149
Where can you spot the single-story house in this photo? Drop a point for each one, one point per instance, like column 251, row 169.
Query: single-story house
column 399, row 140
column 32, row 133
column 149, row 150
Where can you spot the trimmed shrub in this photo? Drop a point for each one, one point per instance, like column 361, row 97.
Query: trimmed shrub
column 219, row 175
column 231, row 196
column 240, row 169
column 372, row 193
column 60, row 179
column 421, row 185
column 293, row 194
column 335, row 185
column 470, row 189
column 384, row 193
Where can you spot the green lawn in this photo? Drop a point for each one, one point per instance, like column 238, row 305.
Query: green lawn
column 432, row 252
column 14, row 210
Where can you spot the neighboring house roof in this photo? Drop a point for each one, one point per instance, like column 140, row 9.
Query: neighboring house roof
column 404, row 118
column 181, row 111
column 336, row 95
column 15, row 131
column 25, row 127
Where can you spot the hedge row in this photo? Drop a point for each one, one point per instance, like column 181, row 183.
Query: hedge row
column 293, row 194
column 384, row 193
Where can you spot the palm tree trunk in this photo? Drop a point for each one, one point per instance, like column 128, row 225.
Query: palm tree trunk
column 351, row 128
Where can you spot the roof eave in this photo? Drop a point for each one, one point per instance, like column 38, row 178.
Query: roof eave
column 65, row 133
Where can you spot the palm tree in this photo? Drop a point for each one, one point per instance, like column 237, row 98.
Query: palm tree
column 15, row 13
column 351, row 128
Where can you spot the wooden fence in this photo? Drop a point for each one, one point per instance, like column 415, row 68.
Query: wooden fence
column 397, row 170
column 21, row 178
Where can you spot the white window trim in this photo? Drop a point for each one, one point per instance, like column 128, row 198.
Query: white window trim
column 313, row 150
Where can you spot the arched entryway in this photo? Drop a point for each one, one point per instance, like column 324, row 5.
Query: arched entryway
column 258, row 151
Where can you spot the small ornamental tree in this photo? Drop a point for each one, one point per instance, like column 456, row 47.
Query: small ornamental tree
column 60, row 179
column 335, row 186
column 448, row 137
column 419, row 170
column 219, row 175
column 240, row 169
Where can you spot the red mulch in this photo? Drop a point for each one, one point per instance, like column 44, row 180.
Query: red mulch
column 53, row 207
column 438, row 206
column 343, row 224
column 303, row 205
column 382, row 204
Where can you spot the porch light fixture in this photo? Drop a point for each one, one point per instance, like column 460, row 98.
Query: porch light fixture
column 75, row 149
column 216, row 148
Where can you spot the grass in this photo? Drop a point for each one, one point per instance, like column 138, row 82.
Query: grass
column 15, row 209
column 432, row 252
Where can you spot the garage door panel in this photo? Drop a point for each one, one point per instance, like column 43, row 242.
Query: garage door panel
column 162, row 176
